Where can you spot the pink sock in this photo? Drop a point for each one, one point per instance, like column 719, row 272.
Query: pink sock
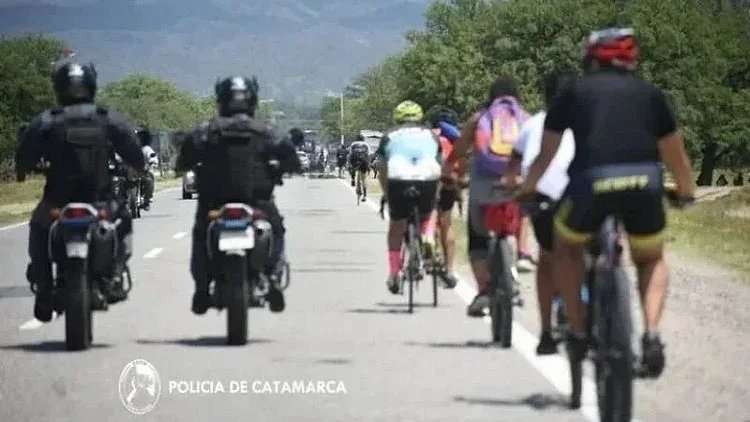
column 428, row 226
column 394, row 262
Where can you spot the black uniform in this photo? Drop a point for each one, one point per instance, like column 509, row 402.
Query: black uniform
column 232, row 157
column 617, row 120
column 77, row 141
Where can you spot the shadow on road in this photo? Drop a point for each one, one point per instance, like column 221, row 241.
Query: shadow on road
column 206, row 341
column 48, row 347
column 406, row 305
column 147, row 215
column 403, row 311
column 534, row 401
column 471, row 344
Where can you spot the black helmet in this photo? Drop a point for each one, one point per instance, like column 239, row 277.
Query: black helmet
column 297, row 136
column 144, row 136
column 74, row 83
column 446, row 115
column 237, row 94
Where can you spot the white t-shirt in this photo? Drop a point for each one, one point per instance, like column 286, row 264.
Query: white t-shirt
column 529, row 144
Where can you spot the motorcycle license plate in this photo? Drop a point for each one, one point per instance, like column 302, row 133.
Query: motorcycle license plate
column 77, row 249
column 236, row 240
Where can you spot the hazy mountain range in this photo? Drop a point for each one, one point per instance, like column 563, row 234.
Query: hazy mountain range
column 299, row 49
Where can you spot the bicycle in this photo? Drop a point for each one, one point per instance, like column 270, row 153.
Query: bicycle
column 412, row 253
column 502, row 221
column 607, row 320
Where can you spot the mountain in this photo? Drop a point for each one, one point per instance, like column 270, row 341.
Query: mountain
column 299, row 49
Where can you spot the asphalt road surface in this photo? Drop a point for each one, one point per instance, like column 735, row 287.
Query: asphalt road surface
column 344, row 350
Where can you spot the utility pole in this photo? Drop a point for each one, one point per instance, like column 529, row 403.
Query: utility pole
column 342, row 117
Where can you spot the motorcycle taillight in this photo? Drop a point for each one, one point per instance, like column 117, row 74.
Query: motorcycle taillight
column 234, row 213
column 76, row 213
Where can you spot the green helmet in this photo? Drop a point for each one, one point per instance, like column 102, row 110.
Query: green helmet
column 408, row 111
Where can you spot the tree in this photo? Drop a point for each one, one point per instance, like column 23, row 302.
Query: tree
column 25, row 83
column 154, row 103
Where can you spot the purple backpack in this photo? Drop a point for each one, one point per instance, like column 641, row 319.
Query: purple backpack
column 497, row 132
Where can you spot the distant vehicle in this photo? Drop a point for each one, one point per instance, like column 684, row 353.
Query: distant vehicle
column 372, row 138
column 304, row 159
column 189, row 187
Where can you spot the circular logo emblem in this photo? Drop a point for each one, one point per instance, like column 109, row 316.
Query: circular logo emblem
column 140, row 386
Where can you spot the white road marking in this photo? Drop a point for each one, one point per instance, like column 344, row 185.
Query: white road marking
column 153, row 253
column 179, row 235
column 554, row 368
column 13, row 226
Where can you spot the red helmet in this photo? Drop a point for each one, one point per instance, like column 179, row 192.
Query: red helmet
column 617, row 47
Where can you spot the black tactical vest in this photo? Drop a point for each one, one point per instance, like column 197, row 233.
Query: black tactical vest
column 79, row 153
column 235, row 164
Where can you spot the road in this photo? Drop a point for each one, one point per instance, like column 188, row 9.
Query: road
column 341, row 325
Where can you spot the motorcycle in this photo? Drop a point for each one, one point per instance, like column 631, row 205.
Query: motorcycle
column 83, row 242
column 239, row 244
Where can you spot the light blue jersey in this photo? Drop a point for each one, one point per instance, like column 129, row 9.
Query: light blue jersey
column 412, row 153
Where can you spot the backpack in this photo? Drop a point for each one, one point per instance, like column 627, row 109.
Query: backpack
column 84, row 151
column 497, row 132
column 236, row 159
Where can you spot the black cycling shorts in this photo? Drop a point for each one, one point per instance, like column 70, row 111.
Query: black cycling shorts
column 447, row 199
column 400, row 204
column 632, row 193
column 543, row 228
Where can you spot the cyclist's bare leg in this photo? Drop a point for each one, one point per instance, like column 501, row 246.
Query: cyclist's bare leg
column 568, row 277
column 447, row 238
column 396, row 230
column 653, row 283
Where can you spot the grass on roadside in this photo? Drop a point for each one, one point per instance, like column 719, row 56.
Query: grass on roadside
column 17, row 200
column 717, row 230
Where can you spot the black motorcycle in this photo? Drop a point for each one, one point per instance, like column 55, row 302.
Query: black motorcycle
column 83, row 243
column 239, row 245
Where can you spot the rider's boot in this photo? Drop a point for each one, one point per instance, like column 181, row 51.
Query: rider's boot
column 41, row 285
column 201, row 297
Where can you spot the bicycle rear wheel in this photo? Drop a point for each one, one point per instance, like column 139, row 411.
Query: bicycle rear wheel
column 411, row 263
column 501, row 287
column 614, row 353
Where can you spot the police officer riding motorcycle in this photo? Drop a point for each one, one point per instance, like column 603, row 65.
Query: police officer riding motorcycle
column 77, row 140
column 237, row 163
column 147, row 182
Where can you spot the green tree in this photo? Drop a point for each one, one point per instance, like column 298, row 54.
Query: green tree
column 25, row 84
column 154, row 103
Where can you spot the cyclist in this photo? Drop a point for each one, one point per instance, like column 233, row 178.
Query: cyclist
column 342, row 153
column 623, row 126
column 551, row 185
column 448, row 193
column 408, row 155
column 488, row 168
column 359, row 162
